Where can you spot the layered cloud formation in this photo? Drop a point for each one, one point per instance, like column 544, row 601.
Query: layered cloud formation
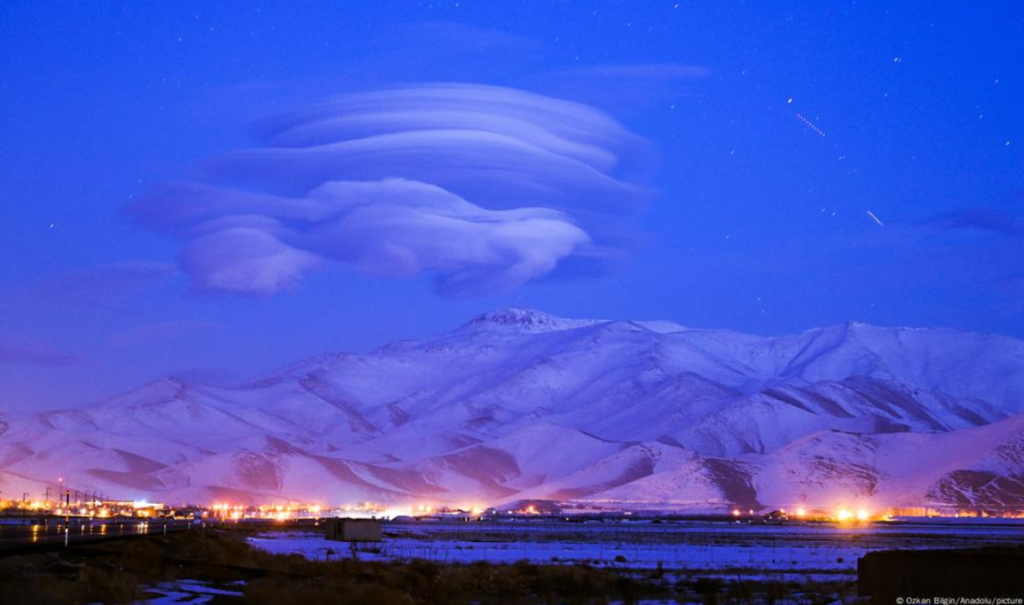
column 483, row 187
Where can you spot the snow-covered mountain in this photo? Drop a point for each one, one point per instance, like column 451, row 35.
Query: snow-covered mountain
column 518, row 404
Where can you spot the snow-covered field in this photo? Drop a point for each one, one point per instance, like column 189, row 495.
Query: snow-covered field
column 782, row 552
column 191, row 592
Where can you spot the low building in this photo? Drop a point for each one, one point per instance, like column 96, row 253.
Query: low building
column 981, row 574
column 354, row 530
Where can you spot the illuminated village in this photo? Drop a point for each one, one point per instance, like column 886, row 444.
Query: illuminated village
column 84, row 506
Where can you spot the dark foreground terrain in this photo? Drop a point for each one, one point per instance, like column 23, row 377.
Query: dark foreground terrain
column 125, row 571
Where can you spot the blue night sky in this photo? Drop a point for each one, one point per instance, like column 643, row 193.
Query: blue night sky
column 210, row 190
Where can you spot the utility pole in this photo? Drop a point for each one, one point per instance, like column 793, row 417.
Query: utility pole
column 67, row 518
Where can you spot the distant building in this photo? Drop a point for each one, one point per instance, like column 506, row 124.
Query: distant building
column 354, row 530
column 983, row 573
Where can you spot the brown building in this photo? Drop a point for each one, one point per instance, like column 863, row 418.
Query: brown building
column 354, row 530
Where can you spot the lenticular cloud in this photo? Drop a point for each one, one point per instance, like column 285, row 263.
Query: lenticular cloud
column 485, row 188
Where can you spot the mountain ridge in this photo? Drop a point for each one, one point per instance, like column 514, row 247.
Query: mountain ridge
column 653, row 414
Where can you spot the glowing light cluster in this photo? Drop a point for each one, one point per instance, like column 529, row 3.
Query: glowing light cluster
column 846, row 515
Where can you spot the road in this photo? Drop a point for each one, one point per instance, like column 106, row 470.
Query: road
column 38, row 535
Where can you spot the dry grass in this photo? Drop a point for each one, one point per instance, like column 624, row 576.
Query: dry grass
column 116, row 572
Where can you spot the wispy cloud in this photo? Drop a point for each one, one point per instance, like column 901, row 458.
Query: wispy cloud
column 1008, row 279
column 454, row 37
column 149, row 332
column 623, row 88
column 31, row 353
column 980, row 218
column 106, row 284
column 484, row 187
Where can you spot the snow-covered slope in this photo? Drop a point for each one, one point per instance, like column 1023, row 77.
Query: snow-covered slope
column 519, row 404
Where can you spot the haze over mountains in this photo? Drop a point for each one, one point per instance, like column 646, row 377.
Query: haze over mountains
column 518, row 404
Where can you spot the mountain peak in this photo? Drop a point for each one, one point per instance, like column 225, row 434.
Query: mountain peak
column 520, row 404
column 161, row 389
column 525, row 320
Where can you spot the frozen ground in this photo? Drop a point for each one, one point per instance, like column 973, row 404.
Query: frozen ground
column 187, row 591
column 782, row 552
